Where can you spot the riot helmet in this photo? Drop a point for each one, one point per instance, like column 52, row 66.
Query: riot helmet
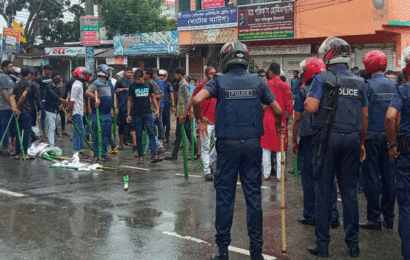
column 234, row 53
column 311, row 67
column 104, row 70
column 374, row 61
column 335, row 50
column 82, row 73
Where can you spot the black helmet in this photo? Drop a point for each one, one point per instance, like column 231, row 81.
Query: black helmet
column 234, row 53
column 335, row 50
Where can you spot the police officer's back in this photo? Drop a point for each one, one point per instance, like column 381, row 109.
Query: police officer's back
column 343, row 145
column 238, row 127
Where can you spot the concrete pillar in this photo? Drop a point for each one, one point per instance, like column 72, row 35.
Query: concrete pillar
column 187, row 63
column 158, row 63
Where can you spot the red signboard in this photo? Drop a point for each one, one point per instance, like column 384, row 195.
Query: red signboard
column 212, row 3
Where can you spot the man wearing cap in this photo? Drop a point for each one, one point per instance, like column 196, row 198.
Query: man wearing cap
column 169, row 102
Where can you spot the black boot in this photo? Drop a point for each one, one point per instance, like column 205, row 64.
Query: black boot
column 353, row 252
column 334, row 223
column 314, row 249
column 372, row 225
column 222, row 254
column 388, row 224
column 307, row 221
column 260, row 257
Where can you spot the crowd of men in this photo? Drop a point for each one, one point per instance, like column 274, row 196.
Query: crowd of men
column 346, row 124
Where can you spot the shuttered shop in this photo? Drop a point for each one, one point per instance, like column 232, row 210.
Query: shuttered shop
column 388, row 49
column 292, row 63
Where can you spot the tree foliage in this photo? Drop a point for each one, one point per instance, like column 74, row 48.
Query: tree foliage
column 134, row 16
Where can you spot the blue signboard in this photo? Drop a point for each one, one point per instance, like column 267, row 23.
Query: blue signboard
column 146, row 43
column 220, row 17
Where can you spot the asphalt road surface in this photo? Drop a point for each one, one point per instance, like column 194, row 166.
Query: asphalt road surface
column 50, row 213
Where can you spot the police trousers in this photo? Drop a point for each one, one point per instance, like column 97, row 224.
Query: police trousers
column 305, row 160
column 341, row 158
column 403, row 200
column 377, row 164
column 245, row 157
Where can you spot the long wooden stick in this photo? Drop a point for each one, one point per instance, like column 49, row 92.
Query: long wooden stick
column 98, row 128
column 183, row 136
column 283, row 220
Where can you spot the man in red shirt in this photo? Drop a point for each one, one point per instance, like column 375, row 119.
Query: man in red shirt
column 208, row 110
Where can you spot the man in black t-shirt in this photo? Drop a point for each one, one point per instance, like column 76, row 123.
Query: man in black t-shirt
column 141, row 95
column 42, row 83
column 122, row 88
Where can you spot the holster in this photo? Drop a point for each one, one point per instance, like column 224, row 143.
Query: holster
column 402, row 144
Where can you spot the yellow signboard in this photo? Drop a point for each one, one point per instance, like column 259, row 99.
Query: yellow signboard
column 19, row 27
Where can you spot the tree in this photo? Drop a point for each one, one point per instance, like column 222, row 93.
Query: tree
column 134, row 16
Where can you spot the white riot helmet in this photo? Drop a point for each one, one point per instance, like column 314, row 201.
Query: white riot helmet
column 335, row 50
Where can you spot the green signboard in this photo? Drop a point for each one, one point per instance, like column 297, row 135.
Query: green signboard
column 90, row 30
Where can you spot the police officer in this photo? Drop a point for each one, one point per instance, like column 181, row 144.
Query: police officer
column 345, row 147
column 302, row 128
column 238, row 128
column 379, row 91
column 400, row 104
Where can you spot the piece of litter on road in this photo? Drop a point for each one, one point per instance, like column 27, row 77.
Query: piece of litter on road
column 262, row 187
column 230, row 248
column 194, row 176
column 133, row 167
column 11, row 193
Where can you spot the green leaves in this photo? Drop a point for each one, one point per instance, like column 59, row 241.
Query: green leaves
column 134, row 16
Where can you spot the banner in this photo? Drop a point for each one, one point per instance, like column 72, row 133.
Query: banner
column 120, row 60
column 146, row 43
column 268, row 21
column 221, row 17
column 212, row 3
column 90, row 30
column 11, row 40
column 64, row 51
column 280, row 49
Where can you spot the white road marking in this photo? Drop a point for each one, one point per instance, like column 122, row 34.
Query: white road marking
column 190, row 175
column 263, row 187
column 15, row 194
column 339, row 199
column 230, row 248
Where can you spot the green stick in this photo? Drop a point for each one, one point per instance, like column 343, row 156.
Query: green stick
column 99, row 133
column 144, row 141
column 295, row 168
column 183, row 135
column 114, row 119
column 78, row 129
column 19, row 135
column 7, row 128
column 87, row 121
column 192, row 141
column 210, row 150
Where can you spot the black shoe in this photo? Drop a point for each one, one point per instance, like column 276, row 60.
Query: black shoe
column 134, row 148
column 307, row 221
column 314, row 249
column 353, row 252
column 334, row 223
column 120, row 147
column 388, row 224
column 222, row 254
column 209, row 177
column 372, row 225
column 259, row 257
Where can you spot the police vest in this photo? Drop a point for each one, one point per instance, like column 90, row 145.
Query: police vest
column 404, row 92
column 305, row 127
column 238, row 113
column 380, row 92
column 348, row 117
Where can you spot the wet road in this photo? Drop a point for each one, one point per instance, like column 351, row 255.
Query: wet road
column 64, row 214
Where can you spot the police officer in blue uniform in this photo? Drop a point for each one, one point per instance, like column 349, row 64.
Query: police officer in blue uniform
column 345, row 147
column 399, row 151
column 238, row 128
column 302, row 128
column 379, row 91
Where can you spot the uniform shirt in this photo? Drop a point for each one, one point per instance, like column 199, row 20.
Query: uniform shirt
column 316, row 89
column 161, row 86
column 104, row 94
column 183, row 94
column 141, row 98
column 208, row 106
column 122, row 95
column 5, row 83
column 21, row 86
column 304, row 129
column 168, row 89
column 296, row 84
column 43, row 81
column 77, row 97
column 400, row 102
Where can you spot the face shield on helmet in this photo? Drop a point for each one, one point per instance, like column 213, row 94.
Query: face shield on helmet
column 234, row 53
column 310, row 67
column 405, row 60
column 335, row 50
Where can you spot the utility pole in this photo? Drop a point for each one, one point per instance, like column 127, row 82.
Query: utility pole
column 89, row 50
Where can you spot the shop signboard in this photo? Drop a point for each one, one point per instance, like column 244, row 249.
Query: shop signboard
column 64, row 51
column 212, row 3
column 280, row 49
column 147, row 43
column 90, row 30
column 266, row 21
column 214, row 18
column 11, row 40
column 119, row 60
column 212, row 36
